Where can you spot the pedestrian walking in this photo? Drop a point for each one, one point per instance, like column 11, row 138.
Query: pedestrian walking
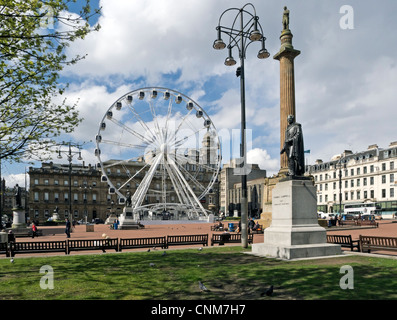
column 34, row 230
column 67, row 228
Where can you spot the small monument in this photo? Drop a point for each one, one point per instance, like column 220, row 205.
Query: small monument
column 55, row 215
column 128, row 219
column 18, row 221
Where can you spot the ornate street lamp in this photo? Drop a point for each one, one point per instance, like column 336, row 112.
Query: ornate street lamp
column 70, row 154
column 241, row 37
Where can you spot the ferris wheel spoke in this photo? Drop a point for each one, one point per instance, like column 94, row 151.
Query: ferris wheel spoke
column 189, row 190
column 119, row 162
column 181, row 141
column 180, row 125
column 142, row 123
column 155, row 122
column 133, row 177
column 127, row 145
column 144, row 185
column 133, row 132
column 191, row 177
column 180, row 187
column 178, row 192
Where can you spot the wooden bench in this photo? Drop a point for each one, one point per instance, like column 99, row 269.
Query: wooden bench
column 368, row 223
column 222, row 238
column 369, row 243
column 187, row 240
column 93, row 244
column 27, row 233
column 38, row 247
column 348, row 222
column 142, row 243
column 344, row 241
column 4, row 249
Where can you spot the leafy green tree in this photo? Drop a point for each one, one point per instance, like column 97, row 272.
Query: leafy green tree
column 33, row 37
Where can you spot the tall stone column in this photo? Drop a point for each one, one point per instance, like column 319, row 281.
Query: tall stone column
column 286, row 56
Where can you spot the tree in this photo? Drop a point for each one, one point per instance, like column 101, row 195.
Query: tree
column 33, row 38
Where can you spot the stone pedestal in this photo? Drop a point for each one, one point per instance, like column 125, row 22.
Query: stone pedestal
column 18, row 220
column 128, row 220
column 294, row 231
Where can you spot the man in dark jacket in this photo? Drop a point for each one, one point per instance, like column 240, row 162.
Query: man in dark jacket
column 67, row 229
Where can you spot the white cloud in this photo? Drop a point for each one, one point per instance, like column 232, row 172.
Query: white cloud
column 263, row 159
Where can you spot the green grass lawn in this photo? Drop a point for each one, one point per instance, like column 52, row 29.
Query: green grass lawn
column 227, row 272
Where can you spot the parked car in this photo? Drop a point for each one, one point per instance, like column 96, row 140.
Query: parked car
column 98, row 221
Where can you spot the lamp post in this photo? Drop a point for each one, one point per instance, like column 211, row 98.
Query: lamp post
column 70, row 154
column 241, row 37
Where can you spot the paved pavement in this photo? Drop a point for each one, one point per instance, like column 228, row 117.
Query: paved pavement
column 164, row 228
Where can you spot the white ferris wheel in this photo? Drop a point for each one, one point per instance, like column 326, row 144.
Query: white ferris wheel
column 174, row 144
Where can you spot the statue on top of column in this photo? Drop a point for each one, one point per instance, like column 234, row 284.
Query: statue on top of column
column 286, row 19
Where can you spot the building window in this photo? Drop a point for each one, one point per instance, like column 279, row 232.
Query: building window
column 372, row 194
column 56, row 182
column 365, row 170
column 66, row 196
column 358, row 171
column 46, row 182
column 364, row 181
column 383, row 166
column 46, row 196
column 346, row 196
column 352, row 172
column 56, row 196
column 391, row 177
column 392, row 165
column 351, row 195
column 371, row 181
column 358, row 182
column 358, row 195
column 65, row 182
column 36, row 197
column 371, row 168
column 36, row 181
column 383, row 193
column 352, row 183
column 383, row 179
column 391, row 192
column 365, row 194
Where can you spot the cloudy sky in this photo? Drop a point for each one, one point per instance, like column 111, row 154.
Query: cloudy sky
column 345, row 76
